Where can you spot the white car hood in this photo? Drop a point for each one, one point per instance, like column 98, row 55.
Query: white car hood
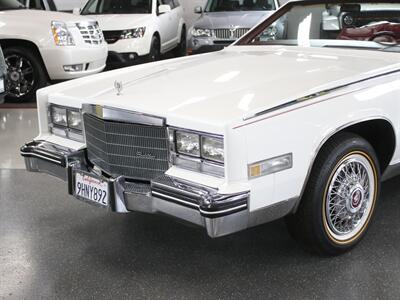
column 121, row 22
column 39, row 17
column 220, row 88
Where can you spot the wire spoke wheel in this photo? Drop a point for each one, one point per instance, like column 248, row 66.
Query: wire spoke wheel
column 21, row 76
column 350, row 197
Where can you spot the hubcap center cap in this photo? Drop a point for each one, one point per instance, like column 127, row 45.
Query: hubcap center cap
column 15, row 76
column 355, row 199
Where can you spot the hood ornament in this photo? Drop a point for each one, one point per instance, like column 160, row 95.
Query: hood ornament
column 119, row 87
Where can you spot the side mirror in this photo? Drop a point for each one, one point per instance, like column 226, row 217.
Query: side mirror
column 164, row 8
column 198, row 10
column 76, row 11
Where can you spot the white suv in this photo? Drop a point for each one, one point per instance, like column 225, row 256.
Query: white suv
column 41, row 46
column 137, row 29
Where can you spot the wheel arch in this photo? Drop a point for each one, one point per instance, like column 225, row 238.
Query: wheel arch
column 26, row 44
column 374, row 130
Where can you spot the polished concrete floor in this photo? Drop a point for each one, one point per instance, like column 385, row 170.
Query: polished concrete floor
column 54, row 247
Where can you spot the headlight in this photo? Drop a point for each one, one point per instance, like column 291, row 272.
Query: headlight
column 75, row 119
column 188, row 143
column 200, row 32
column 61, row 34
column 197, row 151
column 133, row 33
column 65, row 122
column 59, row 116
column 270, row 33
column 212, row 148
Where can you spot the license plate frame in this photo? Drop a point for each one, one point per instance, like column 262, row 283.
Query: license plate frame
column 90, row 187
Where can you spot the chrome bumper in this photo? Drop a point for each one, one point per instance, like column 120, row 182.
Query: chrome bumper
column 200, row 205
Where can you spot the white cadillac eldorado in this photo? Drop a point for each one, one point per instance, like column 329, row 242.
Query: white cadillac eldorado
column 302, row 125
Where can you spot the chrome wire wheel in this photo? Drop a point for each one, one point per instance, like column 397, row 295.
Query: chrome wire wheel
column 21, row 76
column 350, row 197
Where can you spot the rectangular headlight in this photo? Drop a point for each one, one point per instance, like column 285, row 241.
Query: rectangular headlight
column 197, row 151
column 188, row 143
column 59, row 116
column 212, row 148
column 66, row 122
column 75, row 119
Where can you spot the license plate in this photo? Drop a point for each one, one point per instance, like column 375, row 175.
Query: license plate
column 91, row 189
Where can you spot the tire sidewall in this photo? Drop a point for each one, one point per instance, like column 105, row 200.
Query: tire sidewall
column 338, row 154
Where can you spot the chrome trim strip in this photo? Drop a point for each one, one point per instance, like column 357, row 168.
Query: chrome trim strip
column 175, row 199
column 117, row 114
column 41, row 156
column 219, row 212
column 313, row 96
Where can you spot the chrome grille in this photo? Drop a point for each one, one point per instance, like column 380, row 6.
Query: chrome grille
column 230, row 33
column 133, row 150
column 91, row 32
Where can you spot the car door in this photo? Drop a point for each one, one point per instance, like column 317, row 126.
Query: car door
column 167, row 31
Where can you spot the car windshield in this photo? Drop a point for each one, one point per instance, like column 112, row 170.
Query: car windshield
column 10, row 4
column 100, row 7
column 362, row 25
column 242, row 5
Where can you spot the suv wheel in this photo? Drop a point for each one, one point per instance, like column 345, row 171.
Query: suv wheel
column 154, row 49
column 25, row 74
column 340, row 197
column 180, row 50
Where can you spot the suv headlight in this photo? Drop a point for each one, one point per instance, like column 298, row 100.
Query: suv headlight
column 61, row 34
column 66, row 122
column 197, row 151
column 201, row 32
column 133, row 33
column 270, row 33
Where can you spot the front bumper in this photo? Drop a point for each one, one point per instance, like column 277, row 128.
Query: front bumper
column 92, row 57
column 204, row 45
column 187, row 201
column 119, row 60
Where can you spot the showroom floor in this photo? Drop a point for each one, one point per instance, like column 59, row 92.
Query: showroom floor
column 52, row 246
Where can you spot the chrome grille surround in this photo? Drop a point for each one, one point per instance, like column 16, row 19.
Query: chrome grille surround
column 91, row 32
column 130, row 149
column 229, row 33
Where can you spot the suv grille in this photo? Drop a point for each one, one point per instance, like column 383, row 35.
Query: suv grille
column 91, row 32
column 230, row 33
column 133, row 150
column 112, row 37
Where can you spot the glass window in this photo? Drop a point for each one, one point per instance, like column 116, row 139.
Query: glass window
column 37, row 4
column 239, row 5
column 10, row 4
column 117, row 7
column 168, row 2
column 359, row 25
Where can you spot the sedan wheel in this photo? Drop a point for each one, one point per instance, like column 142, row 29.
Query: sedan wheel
column 350, row 198
column 340, row 197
